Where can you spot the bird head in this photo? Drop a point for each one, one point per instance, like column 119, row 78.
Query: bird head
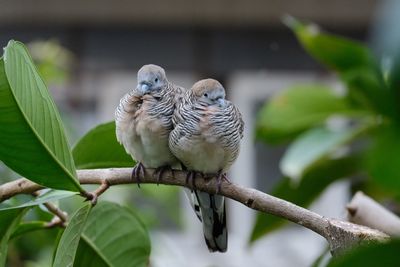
column 209, row 92
column 151, row 78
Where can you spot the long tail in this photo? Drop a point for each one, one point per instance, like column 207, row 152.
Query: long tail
column 213, row 216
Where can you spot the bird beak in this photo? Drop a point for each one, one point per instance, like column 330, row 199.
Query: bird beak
column 221, row 102
column 143, row 88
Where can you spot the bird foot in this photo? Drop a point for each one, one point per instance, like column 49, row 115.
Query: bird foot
column 221, row 177
column 138, row 171
column 160, row 171
column 190, row 179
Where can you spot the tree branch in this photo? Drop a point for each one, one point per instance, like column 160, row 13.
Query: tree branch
column 60, row 217
column 365, row 211
column 339, row 234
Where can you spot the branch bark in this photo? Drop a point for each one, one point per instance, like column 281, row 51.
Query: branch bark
column 365, row 211
column 60, row 217
column 340, row 235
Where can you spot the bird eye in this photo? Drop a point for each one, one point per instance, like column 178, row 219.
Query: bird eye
column 206, row 95
column 156, row 80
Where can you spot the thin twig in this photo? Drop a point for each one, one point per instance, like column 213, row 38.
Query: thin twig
column 60, row 216
column 93, row 196
column 339, row 234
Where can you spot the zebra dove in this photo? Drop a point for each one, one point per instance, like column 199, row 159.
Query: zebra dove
column 206, row 139
column 144, row 120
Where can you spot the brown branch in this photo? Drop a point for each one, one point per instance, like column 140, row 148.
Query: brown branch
column 339, row 234
column 365, row 211
column 60, row 217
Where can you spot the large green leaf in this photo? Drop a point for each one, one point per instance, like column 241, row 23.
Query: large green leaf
column 312, row 146
column 297, row 109
column 379, row 254
column 383, row 160
column 9, row 219
column 352, row 60
column 32, row 138
column 314, row 181
column 99, row 148
column 334, row 51
column 49, row 196
column 69, row 241
column 113, row 236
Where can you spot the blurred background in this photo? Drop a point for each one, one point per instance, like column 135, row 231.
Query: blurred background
column 89, row 53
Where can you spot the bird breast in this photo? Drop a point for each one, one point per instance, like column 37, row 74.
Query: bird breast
column 205, row 155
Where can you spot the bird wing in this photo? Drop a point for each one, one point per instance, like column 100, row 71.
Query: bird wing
column 125, row 112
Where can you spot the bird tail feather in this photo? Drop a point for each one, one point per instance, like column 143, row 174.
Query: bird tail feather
column 213, row 216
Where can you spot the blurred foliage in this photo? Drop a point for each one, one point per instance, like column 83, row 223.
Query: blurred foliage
column 313, row 182
column 335, row 136
column 298, row 109
column 320, row 144
column 9, row 219
column 52, row 60
column 383, row 254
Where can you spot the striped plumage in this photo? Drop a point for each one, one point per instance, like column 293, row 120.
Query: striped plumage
column 206, row 139
column 143, row 118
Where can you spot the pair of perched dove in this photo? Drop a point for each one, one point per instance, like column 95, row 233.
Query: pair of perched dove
column 164, row 126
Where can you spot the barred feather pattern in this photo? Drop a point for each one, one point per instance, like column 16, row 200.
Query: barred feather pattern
column 143, row 124
column 216, row 129
column 206, row 138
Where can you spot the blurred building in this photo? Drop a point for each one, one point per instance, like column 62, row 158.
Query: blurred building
column 241, row 43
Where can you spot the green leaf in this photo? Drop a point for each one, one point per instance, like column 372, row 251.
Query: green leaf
column 299, row 108
column 99, row 148
column 113, row 236
column 32, row 138
column 336, row 52
column 352, row 60
column 69, row 241
column 27, row 227
column 9, row 219
column 49, row 196
column 378, row 254
column 312, row 146
column 156, row 205
column 314, row 181
column 394, row 84
column 382, row 160
column 368, row 91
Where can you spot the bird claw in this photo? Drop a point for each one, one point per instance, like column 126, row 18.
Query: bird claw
column 221, row 177
column 190, row 178
column 160, row 171
column 138, row 171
